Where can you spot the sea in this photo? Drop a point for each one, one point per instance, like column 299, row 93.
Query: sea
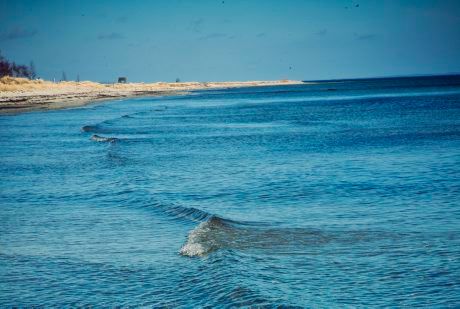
column 342, row 193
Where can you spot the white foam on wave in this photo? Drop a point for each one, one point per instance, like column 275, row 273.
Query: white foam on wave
column 195, row 245
column 103, row 139
column 192, row 250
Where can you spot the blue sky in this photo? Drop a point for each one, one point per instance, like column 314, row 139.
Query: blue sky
column 231, row 39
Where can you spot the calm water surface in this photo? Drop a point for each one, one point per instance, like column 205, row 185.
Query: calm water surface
column 342, row 193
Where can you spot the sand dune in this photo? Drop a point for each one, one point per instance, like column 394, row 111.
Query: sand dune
column 20, row 94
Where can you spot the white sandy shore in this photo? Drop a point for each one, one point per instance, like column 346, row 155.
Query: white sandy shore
column 20, row 95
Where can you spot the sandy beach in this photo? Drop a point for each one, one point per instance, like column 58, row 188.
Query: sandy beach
column 22, row 95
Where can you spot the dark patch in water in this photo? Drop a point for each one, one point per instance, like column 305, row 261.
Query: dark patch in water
column 92, row 128
column 217, row 234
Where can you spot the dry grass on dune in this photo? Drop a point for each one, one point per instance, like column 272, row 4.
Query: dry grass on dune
column 21, row 86
column 18, row 84
column 8, row 83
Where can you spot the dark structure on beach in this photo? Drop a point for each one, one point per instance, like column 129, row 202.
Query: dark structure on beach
column 122, row 80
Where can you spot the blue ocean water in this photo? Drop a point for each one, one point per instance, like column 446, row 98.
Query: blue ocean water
column 332, row 194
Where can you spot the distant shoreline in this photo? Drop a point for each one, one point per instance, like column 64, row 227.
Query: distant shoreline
column 389, row 77
column 18, row 95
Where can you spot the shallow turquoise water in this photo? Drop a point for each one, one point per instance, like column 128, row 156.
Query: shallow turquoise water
column 344, row 193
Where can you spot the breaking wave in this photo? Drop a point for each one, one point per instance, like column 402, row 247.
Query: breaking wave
column 102, row 139
column 217, row 233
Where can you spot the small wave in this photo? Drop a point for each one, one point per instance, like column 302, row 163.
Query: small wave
column 217, row 233
column 102, row 139
column 189, row 213
column 176, row 211
column 203, row 239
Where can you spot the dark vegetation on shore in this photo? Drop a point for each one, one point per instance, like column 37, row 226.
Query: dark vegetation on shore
column 8, row 68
